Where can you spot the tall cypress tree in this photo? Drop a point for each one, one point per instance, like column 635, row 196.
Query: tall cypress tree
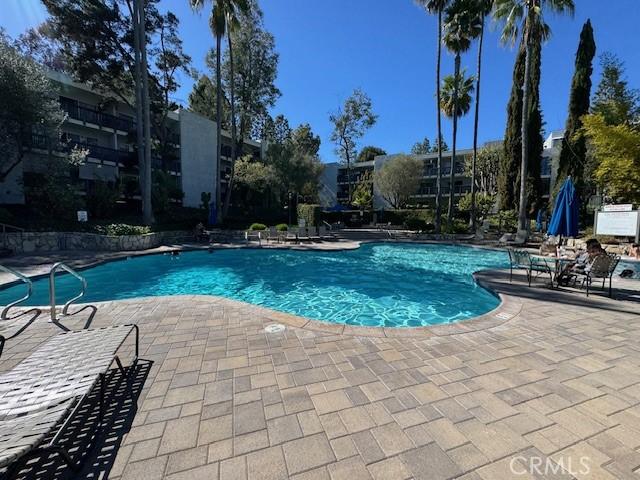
column 509, row 171
column 574, row 149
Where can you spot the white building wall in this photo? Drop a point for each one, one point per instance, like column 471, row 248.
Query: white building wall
column 198, row 157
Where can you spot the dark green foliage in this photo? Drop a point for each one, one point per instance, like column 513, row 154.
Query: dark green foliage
column 509, row 172
column 258, row 226
column 310, row 213
column 120, row 229
column 369, row 153
column 614, row 100
column 102, row 198
column 282, row 227
column 574, row 149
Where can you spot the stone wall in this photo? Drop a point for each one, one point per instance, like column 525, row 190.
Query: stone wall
column 35, row 242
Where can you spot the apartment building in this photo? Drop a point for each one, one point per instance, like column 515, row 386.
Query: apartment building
column 106, row 128
column 427, row 191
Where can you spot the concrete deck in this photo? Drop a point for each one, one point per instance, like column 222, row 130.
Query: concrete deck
column 557, row 378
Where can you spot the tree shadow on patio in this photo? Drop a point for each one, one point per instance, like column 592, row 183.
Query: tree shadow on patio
column 625, row 300
column 95, row 448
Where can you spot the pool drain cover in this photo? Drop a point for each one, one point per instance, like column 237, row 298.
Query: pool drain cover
column 274, row 328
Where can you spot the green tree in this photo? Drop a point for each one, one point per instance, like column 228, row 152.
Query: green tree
column 421, row 148
column 461, row 25
column 482, row 9
column 368, row 153
column 487, row 166
column 442, row 145
column 437, row 7
column 573, row 152
column 484, row 203
column 203, row 95
column 28, row 102
column 399, row 179
column 617, row 150
column 614, row 100
column 350, row 123
column 363, row 193
column 527, row 15
column 455, row 102
column 105, row 50
column 224, row 13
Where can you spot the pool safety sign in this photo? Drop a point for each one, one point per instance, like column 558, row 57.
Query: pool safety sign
column 620, row 221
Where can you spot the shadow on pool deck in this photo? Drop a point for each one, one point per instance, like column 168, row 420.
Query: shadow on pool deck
column 98, row 455
column 625, row 299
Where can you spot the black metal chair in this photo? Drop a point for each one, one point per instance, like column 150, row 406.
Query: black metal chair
column 522, row 260
column 602, row 267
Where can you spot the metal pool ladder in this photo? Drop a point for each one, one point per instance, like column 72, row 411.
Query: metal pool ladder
column 24, row 279
column 52, row 288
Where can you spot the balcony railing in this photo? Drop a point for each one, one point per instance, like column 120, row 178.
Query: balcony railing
column 104, row 154
column 95, row 117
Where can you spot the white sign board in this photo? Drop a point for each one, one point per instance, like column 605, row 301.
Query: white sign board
column 622, row 224
column 83, row 216
column 302, row 223
column 624, row 207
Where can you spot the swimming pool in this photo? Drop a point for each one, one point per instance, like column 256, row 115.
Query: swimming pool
column 378, row 284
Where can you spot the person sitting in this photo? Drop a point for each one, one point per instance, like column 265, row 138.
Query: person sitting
column 634, row 250
column 582, row 262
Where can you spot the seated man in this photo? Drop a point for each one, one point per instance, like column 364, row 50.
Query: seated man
column 634, row 250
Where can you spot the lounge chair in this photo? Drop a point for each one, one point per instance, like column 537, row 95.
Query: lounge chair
column 322, row 232
column 273, row 234
column 292, row 234
column 302, row 233
column 313, row 233
column 40, row 396
column 519, row 240
column 249, row 234
column 522, row 260
column 602, row 267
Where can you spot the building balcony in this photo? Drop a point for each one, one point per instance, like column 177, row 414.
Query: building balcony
column 95, row 117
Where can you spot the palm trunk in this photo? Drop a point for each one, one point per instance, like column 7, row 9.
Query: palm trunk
column 147, row 208
column 452, row 173
column 438, row 221
column 475, row 131
column 522, row 209
column 218, row 177
column 234, row 141
column 138, row 87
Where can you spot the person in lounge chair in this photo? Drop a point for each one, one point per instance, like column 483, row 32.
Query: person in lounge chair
column 634, row 250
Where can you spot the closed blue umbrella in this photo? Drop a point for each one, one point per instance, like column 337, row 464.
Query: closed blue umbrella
column 564, row 220
column 213, row 214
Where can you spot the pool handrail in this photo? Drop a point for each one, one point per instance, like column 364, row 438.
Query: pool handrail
column 24, row 279
column 52, row 288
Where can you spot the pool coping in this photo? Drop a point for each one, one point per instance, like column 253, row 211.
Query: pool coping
column 508, row 308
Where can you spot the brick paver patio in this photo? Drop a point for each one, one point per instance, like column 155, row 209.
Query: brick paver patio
column 557, row 378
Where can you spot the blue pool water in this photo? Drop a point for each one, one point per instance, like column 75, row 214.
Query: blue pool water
column 393, row 285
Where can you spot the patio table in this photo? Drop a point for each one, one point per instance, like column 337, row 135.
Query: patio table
column 558, row 264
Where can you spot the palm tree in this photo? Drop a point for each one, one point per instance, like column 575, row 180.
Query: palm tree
column 483, row 8
column 221, row 11
column 437, row 7
column 527, row 16
column 461, row 25
column 234, row 8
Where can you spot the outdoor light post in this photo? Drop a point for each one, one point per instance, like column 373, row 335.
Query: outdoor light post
column 289, row 206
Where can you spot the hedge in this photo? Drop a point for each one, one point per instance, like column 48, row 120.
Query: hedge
column 310, row 213
column 258, row 226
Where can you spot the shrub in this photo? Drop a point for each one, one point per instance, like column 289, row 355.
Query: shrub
column 282, row 227
column 310, row 213
column 458, row 226
column 399, row 217
column 119, row 229
column 258, row 226
column 416, row 224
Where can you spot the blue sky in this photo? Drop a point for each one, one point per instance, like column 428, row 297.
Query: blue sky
column 326, row 51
